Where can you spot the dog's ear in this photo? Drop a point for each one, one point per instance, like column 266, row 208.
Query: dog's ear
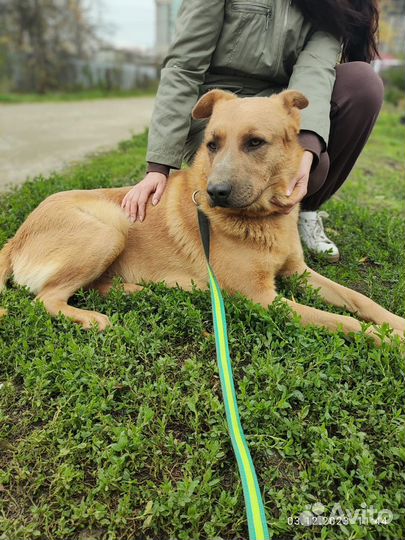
column 205, row 105
column 292, row 98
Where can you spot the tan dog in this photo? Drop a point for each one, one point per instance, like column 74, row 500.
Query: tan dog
column 250, row 155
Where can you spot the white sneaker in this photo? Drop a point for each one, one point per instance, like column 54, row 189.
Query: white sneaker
column 313, row 235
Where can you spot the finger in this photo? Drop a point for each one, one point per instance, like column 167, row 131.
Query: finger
column 289, row 210
column 281, row 204
column 286, row 206
column 126, row 206
column 124, row 201
column 282, row 210
column 297, row 195
column 143, row 199
column 158, row 193
column 133, row 207
column 293, row 185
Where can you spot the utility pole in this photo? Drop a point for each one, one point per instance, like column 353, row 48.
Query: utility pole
column 163, row 26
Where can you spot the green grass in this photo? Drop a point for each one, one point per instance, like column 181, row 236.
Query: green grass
column 79, row 95
column 122, row 435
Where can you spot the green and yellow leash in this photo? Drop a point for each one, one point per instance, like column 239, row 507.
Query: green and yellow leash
column 253, row 500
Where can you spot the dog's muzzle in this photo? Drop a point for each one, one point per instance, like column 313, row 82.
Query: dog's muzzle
column 219, row 194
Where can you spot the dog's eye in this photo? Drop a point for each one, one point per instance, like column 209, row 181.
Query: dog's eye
column 254, row 143
column 212, row 146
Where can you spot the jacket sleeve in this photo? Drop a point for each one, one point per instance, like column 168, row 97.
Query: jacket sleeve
column 197, row 30
column 314, row 75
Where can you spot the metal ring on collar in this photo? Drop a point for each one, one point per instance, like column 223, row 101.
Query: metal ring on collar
column 193, row 196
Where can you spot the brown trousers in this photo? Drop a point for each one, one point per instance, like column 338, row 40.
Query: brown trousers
column 356, row 100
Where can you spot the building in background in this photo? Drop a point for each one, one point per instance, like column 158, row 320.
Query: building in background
column 392, row 27
column 391, row 36
column 166, row 12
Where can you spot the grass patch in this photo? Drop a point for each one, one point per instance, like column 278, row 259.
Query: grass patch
column 122, row 435
column 80, row 95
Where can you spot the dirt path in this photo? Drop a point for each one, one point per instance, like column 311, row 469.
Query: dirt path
column 37, row 138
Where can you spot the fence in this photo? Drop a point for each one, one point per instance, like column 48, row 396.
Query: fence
column 72, row 74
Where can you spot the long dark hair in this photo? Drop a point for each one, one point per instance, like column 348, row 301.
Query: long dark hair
column 355, row 22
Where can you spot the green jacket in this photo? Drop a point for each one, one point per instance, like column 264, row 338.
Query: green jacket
column 249, row 47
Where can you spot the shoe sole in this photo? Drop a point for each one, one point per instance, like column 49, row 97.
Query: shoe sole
column 325, row 256
column 334, row 258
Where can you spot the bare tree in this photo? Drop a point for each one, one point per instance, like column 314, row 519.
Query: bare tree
column 43, row 35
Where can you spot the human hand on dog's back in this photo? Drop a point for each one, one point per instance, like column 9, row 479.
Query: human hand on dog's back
column 134, row 202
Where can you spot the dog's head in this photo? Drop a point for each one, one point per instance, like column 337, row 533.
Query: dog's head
column 250, row 152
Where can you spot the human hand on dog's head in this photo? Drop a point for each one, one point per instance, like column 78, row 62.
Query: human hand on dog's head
column 298, row 187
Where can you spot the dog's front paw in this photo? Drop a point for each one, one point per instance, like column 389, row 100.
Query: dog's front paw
column 93, row 318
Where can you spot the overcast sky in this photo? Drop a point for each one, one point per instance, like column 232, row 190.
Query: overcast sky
column 132, row 22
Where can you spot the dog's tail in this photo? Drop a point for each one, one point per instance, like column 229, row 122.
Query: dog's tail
column 5, row 270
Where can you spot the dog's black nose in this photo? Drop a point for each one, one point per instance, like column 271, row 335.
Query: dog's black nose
column 219, row 193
